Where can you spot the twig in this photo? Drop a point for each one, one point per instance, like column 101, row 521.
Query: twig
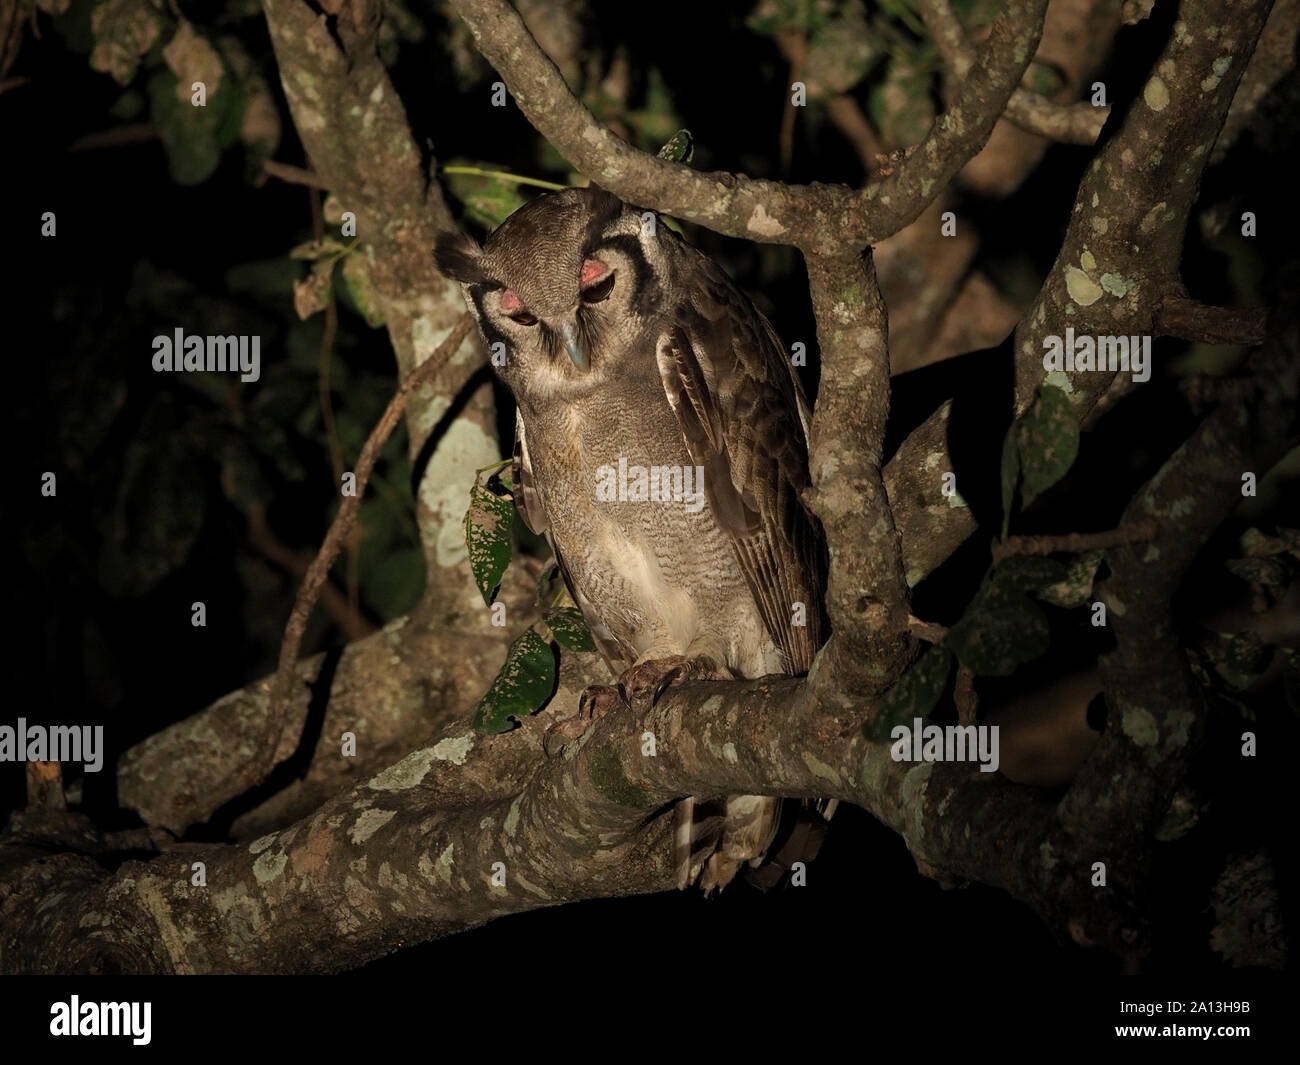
column 45, row 786
column 1135, row 533
column 263, row 538
column 1078, row 123
column 318, row 571
column 927, row 630
column 795, row 47
column 1178, row 316
column 294, row 175
column 131, row 133
column 504, row 175
column 965, row 696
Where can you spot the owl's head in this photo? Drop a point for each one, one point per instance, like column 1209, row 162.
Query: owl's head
column 564, row 284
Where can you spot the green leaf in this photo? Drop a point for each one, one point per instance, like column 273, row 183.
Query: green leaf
column 569, row 628
column 395, row 584
column 999, row 630
column 680, row 147
column 1238, row 658
column 913, row 696
column 359, row 293
column 902, row 105
column 487, row 537
column 1048, row 439
column 191, row 136
column 522, row 687
column 1075, row 589
column 1045, row 79
column 488, row 200
column 1028, row 573
column 1010, row 476
column 313, row 293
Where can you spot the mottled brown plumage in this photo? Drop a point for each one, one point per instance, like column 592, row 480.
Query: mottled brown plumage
column 622, row 343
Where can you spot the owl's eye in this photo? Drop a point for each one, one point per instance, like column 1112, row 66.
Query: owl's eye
column 599, row 292
column 523, row 318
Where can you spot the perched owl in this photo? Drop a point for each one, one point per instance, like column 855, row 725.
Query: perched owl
column 661, row 446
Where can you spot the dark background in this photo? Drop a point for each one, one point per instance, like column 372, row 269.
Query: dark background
column 144, row 523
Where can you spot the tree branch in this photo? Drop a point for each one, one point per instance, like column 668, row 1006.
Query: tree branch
column 1178, row 316
column 1046, row 545
column 824, row 219
column 318, row 572
column 410, row 854
column 1078, row 123
column 1123, row 249
column 356, row 134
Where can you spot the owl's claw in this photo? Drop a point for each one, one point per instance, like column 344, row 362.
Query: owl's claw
column 593, row 704
column 642, row 686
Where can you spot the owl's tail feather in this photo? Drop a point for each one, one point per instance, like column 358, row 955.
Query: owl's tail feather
column 714, row 839
column 799, row 841
column 697, row 832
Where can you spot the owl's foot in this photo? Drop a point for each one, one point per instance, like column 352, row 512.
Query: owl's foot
column 593, row 704
column 645, row 683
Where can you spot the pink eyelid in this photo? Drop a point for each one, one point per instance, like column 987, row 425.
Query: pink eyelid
column 592, row 270
column 511, row 303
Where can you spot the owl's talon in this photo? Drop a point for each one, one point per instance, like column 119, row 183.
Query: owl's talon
column 674, row 676
column 642, row 686
column 593, row 704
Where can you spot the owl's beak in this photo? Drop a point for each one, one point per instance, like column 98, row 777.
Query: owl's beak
column 569, row 334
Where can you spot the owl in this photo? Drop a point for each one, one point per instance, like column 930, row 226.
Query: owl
column 661, row 445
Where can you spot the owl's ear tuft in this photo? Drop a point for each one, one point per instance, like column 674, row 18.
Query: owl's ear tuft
column 460, row 258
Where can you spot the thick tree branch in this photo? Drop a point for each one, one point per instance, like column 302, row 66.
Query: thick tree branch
column 1153, row 699
column 410, row 854
column 355, row 130
column 866, row 597
column 1119, row 261
column 825, row 219
column 1123, row 249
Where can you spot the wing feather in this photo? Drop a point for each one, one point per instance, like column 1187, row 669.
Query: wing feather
column 745, row 421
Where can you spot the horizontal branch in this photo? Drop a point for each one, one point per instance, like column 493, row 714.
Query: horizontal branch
column 417, row 852
column 820, row 218
column 1178, row 316
column 1136, row 533
column 294, row 175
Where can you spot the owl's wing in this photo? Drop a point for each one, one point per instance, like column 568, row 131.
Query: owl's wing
column 745, row 421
